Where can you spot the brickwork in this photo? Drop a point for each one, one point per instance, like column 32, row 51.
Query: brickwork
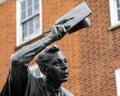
column 7, row 37
column 92, row 53
column 98, row 53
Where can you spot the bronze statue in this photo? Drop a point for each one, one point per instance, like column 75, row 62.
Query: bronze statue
column 50, row 59
column 51, row 62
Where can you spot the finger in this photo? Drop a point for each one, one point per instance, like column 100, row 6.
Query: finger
column 61, row 28
column 54, row 30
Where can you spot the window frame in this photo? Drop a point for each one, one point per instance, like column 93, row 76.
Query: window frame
column 117, row 77
column 19, row 22
column 113, row 13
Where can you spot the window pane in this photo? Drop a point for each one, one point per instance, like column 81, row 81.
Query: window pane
column 119, row 15
column 29, row 11
column 118, row 3
column 23, row 15
column 23, row 5
column 36, row 8
column 23, row 10
column 31, row 26
column 36, row 24
column 36, row 1
column 29, row 3
column 24, row 28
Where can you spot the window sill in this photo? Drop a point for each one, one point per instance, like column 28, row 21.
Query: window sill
column 114, row 27
column 28, row 42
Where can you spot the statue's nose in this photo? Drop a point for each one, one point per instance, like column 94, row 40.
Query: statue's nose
column 64, row 66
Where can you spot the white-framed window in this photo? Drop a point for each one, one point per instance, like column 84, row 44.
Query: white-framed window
column 114, row 12
column 35, row 71
column 28, row 20
column 117, row 75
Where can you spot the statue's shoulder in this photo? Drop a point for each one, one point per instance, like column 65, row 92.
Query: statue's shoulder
column 66, row 92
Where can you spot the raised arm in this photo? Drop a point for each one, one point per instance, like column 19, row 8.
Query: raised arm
column 27, row 53
column 18, row 77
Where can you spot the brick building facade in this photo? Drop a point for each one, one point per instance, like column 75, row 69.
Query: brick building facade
column 93, row 53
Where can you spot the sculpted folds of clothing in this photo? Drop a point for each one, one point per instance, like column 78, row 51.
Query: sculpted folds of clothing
column 20, row 82
column 33, row 87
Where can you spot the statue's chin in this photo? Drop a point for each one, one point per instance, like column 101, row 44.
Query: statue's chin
column 66, row 79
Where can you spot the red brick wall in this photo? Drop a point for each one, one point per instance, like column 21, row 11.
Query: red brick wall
column 99, row 50
column 7, row 37
column 93, row 53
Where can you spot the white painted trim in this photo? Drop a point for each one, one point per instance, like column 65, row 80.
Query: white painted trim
column 113, row 12
column 40, row 11
column 117, row 75
column 18, row 25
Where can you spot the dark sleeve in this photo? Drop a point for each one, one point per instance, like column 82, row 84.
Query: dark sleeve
column 16, row 82
column 6, row 89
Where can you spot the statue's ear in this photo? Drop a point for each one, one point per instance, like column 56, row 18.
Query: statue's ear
column 44, row 69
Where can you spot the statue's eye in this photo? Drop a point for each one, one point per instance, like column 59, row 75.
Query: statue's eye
column 56, row 63
column 65, row 60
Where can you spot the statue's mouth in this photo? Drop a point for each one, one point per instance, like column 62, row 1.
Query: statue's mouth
column 65, row 74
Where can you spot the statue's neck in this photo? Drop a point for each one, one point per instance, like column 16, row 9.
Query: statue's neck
column 53, row 84
column 51, row 87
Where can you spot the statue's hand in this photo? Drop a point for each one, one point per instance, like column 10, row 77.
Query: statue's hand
column 58, row 31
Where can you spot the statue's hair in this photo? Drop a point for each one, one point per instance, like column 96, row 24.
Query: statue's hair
column 42, row 56
column 52, row 49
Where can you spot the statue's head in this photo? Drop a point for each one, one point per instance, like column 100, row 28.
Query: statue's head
column 53, row 64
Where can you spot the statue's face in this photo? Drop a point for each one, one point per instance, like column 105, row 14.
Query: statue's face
column 57, row 67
